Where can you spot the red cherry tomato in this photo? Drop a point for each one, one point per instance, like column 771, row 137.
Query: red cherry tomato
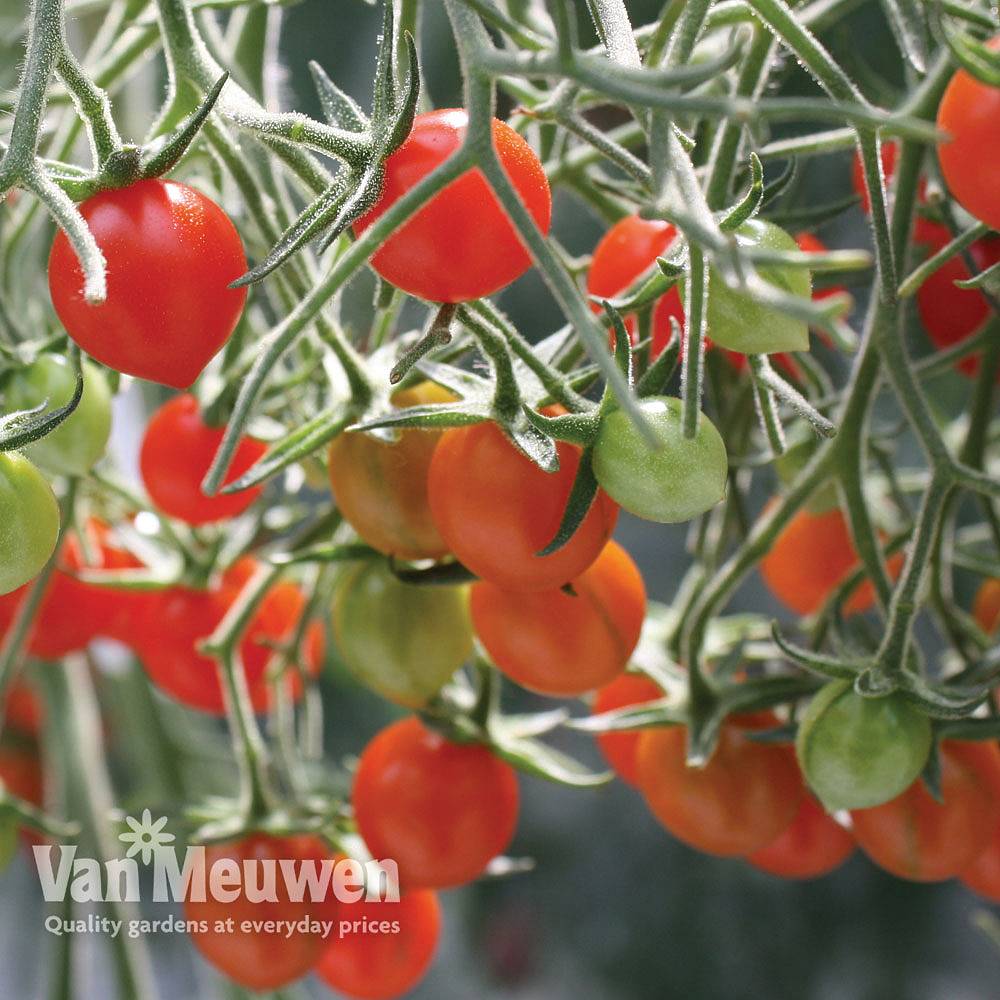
column 460, row 245
column 379, row 963
column 171, row 254
column 627, row 249
column 813, row 845
column 740, row 801
column 810, row 557
column 496, row 509
column 951, row 314
column 253, row 956
column 982, row 875
column 180, row 618
column 917, row 838
column 620, row 748
column 970, row 113
column 560, row 644
column 177, row 451
column 986, row 608
column 442, row 811
column 22, row 709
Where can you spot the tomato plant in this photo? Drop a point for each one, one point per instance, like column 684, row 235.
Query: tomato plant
column 620, row 748
column 918, row 838
column 29, row 521
column 76, row 445
column 460, row 245
column 157, row 329
column 251, row 954
column 565, row 643
column 678, row 480
column 177, row 449
column 381, row 486
column 814, row 845
column 402, row 640
column 969, row 113
column 383, row 964
column 508, row 509
column 441, row 810
column 857, row 752
column 741, row 800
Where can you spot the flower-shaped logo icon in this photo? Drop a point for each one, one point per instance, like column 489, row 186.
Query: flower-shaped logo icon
column 145, row 836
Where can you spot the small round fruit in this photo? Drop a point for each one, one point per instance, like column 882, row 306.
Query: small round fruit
column 402, row 640
column 29, row 521
column 677, row 481
column 738, row 323
column 177, row 451
column 916, row 837
column 461, row 245
column 383, row 964
column 620, row 748
column 381, row 487
column 970, row 113
column 814, row 845
column 563, row 644
column 741, row 800
column 442, row 811
column 77, row 444
column 982, row 875
column 171, row 254
column 858, row 752
column 496, row 510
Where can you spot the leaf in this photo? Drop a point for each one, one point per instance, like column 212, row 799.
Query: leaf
column 19, row 429
column 534, row 757
column 906, row 18
column 649, row 715
column 339, row 108
column 430, row 416
column 749, row 205
column 578, row 504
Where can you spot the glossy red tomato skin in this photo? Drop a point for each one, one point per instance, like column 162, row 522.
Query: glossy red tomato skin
column 253, row 958
column 917, row 838
column 440, row 810
column 620, row 748
column 171, row 253
column 496, row 509
column 810, row 557
column 559, row 644
column 970, row 113
column 627, row 249
column 982, row 875
column 180, row 618
column 814, row 845
column 177, row 450
column 385, row 965
column 460, row 245
column 745, row 796
column 948, row 313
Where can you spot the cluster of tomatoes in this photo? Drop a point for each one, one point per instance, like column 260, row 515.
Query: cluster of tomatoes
column 561, row 622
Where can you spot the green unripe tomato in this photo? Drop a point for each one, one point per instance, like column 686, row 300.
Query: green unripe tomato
column 74, row 447
column 740, row 324
column 681, row 479
column 859, row 752
column 29, row 521
column 401, row 640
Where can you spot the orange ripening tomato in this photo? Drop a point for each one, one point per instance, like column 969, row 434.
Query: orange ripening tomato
column 461, row 245
column 250, row 954
column 625, row 251
column 982, row 875
column 915, row 837
column 814, row 845
column 381, row 486
column 441, row 810
column 380, row 964
column 811, row 556
column 986, row 607
column 740, row 801
column 560, row 644
column 620, row 748
column 177, row 451
column 496, row 509
column 970, row 113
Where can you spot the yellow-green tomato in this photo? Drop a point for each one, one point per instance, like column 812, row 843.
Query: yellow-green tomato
column 402, row 640
column 29, row 521
column 738, row 323
column 858, row 752
column 75, row 446
column 680, row 479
